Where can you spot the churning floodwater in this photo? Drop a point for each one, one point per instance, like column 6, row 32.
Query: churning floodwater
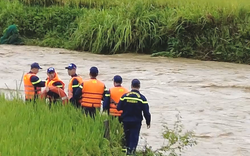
column 213, row 97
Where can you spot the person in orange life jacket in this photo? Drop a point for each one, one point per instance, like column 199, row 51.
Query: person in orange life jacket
column 32, row 83
column 92, row 93
column 74, row 84
column 53, row 80
column 113, row 96
column 133, row 104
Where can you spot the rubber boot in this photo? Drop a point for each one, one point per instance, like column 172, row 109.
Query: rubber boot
column 130, row 152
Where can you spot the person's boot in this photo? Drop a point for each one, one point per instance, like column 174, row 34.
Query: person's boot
column 129, row 151
column 133, row 152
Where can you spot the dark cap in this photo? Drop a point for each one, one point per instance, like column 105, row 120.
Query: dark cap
column 135, row 83
column 93, row 70
column 50, row 70
column 35, row 65
column 117, row 79
column 71, row 66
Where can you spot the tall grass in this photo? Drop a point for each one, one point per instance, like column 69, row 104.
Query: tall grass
column 36, row 129
column 28, row 129
column 160, row 3
column 204, row 29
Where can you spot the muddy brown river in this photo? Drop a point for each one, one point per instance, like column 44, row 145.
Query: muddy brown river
column 213, row 98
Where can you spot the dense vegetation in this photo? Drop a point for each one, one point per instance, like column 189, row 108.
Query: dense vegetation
column 203, row 29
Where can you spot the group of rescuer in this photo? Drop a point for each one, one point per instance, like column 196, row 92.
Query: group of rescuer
column 89, row 94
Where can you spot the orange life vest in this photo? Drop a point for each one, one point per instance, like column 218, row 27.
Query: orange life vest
column 50, row 83
column 29, row 89
column 115, row 95
column 70, row 89
column 92, row 93
column 58, row 91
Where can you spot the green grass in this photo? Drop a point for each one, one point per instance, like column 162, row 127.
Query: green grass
column 187, row 4
column 201, row 29
column 35, row 129
column 61, row 130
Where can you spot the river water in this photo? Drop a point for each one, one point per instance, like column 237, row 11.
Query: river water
column 212, row 97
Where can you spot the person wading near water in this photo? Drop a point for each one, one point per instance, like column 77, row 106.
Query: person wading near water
column 133, row 104
column 113, row 96
column 74, row 84
column 32, row 83
column 92, row 92
column 53, row 80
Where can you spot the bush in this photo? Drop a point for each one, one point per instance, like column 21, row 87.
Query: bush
column 207, row 30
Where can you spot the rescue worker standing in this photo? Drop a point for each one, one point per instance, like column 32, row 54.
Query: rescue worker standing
column 32, row 83
column 133, row 104
column 74, row 84
column 113, row 96
column 92, row 93
column 53, row 80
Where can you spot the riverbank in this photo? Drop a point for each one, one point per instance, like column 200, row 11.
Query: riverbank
column 206, row 30
column 38, row 129
column 28, row 129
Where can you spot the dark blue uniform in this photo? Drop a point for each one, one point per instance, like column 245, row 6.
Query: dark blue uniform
column 133, row 104
column 37, row 82
column 75, row 86
column 106, row 101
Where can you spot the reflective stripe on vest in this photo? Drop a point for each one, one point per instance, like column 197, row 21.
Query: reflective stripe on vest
column 70, row 89
column 29, row 89
column 92, row 93
column 115, row 95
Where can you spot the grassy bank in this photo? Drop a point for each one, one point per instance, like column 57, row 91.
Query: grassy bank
column 28, row 130
column 202, row 29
